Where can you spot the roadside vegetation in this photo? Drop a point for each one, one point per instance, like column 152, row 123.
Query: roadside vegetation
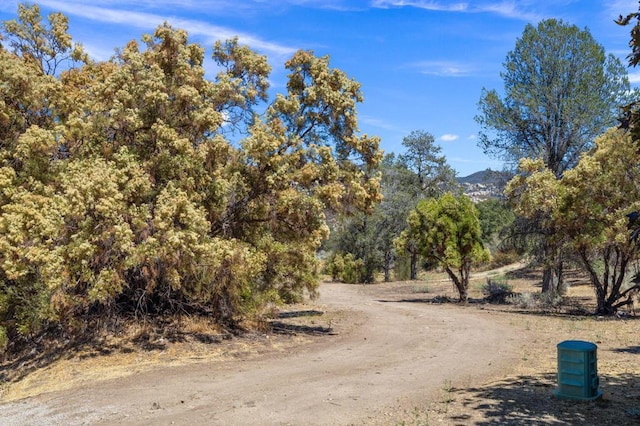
column 138, row 191
column 136, row 188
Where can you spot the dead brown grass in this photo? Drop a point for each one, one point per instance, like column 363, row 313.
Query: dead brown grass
column 142, row 346
column 523, row 394
column 520, row 395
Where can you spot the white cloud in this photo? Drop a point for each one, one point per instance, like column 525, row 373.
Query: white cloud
column 508, row 8
column 621, row 7
column 97, row 51
column 149, row 21
column 443, row 68
column 634, row 77
column 211, row 6
column 421, row 4
column 337, row 5
column 448, row 137
column 377, row 122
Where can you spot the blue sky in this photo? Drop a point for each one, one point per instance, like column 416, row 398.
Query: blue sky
column 422, row 63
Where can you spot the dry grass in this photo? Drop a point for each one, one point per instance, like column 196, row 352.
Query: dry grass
column 140, row 347
column 523, row 393
column 520, row 395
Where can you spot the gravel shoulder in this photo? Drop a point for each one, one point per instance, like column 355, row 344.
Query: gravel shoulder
column 389, row 352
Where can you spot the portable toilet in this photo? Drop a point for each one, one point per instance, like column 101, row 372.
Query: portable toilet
column 577, row 371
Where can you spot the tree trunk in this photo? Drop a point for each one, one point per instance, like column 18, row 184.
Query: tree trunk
column 465, row 271
column 561, row 288
column 552, row 276
column 386, row 266
column 414, row 266
column 553, row 279
column 604, row 303
column 605, row 307
column 464, row 295
column 461, row 284
column 547, row 279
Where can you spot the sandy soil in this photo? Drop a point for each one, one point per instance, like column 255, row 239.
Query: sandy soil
column 387, row 353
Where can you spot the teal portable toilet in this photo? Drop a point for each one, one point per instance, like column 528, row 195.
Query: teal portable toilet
column 577, row 371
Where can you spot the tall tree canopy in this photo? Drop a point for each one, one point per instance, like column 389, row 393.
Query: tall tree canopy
column 430, row 175
column 120, row 193
column 560, row 92
column 418, row 173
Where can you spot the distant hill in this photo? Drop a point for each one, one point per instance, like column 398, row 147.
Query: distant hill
column 484, row 184
column 486, row 177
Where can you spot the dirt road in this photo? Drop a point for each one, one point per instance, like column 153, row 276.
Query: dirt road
column 394, row 352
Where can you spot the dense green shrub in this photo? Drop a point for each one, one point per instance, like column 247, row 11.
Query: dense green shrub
column 346, row 268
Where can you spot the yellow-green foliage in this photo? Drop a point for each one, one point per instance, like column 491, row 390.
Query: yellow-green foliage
column 4, row 340
column 346, row 268
column 587, row 211
column 446, row 231
column 119, row 191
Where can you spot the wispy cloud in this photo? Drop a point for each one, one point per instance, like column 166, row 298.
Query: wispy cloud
column 221, row 7
column 377, row 122
column 428, row 5
column 443, row 68
column 615, row 8
column 634, row 77
column 149, row 21
column 232, row 6
column 97, row 51
column 508, row 8
column 448, row 137
column 337, row 5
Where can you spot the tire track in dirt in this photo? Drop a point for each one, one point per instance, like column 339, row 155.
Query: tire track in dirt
column 398, row 354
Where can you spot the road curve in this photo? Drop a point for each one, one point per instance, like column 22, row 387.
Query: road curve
column 399, row 353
